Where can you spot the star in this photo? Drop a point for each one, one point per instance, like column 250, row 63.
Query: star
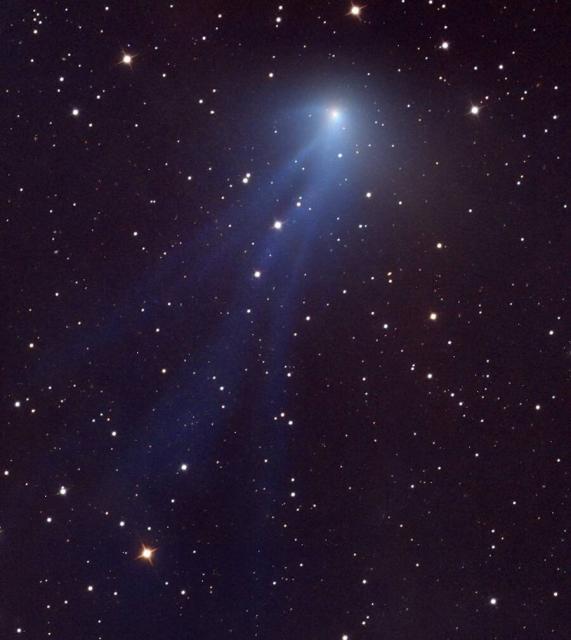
column 75, row 112
column 493, row 601
column 147, row 554
column 278, row 225
column 445, row 45
column 433, row 316
column 257, row 274
column 62, row 491
column 334, row 114
column 127, row 59
column 355, row 11
column 474, row 110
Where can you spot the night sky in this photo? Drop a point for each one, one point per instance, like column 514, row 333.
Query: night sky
column 285, row 320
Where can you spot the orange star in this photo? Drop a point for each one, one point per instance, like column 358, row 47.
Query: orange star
column 147, row 554
column 355, row 11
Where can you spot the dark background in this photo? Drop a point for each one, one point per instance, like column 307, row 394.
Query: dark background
column 421, row 489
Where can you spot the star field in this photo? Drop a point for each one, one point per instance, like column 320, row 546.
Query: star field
column 286, row 346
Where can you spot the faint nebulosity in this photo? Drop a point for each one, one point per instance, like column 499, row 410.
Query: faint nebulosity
column 285, row 325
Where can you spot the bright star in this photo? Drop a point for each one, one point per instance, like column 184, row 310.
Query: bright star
column 445, row 45
column 257, row 274
column 75, row 112
column 278, row 225
column 62, row 491
column 355, row 11
column 127, row 58
column 475, row 110
column 147, row 554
